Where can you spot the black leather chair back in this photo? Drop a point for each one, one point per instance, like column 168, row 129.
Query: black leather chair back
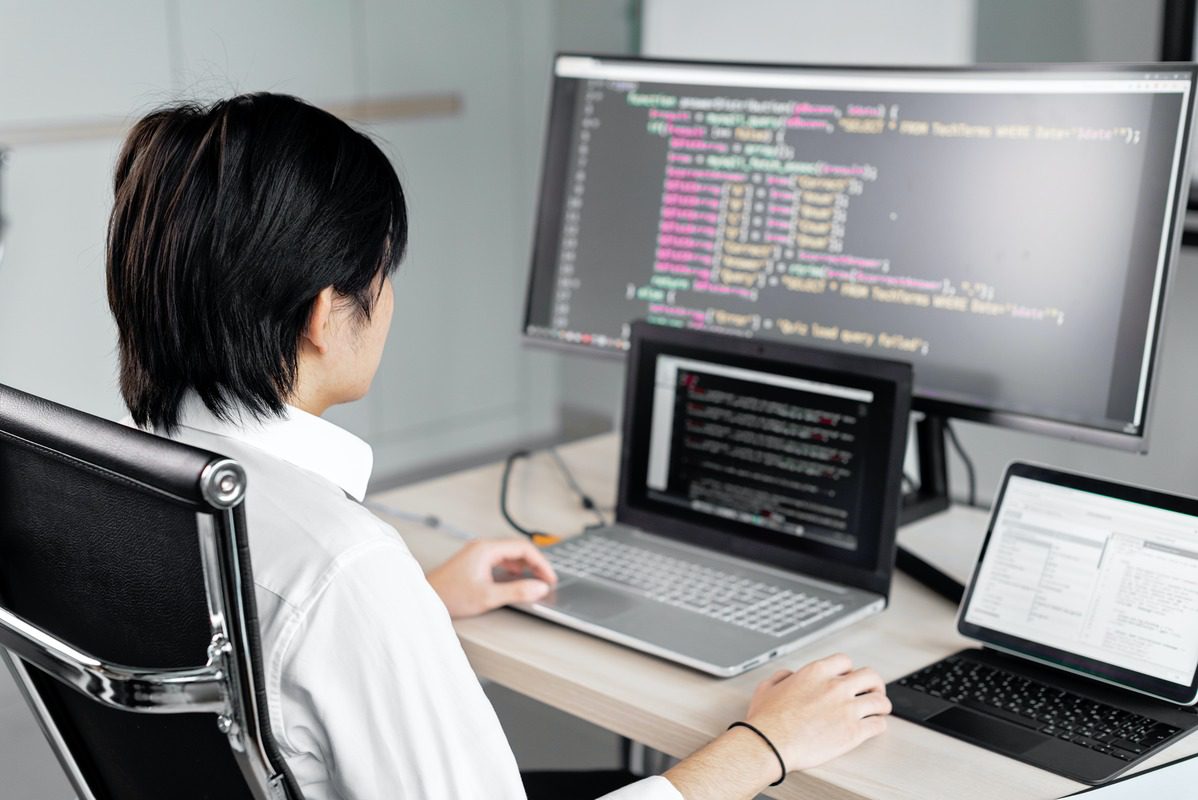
column 99, row 547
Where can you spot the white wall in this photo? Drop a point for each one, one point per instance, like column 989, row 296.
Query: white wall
column 455, row 379
column 812, row 31
column 1069, row 30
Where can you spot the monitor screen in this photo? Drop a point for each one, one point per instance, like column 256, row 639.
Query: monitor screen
column 1107, row 583
column 999, row 229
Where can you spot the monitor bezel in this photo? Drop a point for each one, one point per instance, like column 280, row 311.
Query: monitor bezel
column 553, row 181
column 1063, row 659
column 891, row 375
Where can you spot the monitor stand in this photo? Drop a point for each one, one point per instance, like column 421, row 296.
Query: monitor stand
column 930, row 497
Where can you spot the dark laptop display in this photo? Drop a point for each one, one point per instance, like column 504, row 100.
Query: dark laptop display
column 786, row 454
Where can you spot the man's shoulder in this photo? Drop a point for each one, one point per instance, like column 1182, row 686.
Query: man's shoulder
column 303, row 528
column 302, row 543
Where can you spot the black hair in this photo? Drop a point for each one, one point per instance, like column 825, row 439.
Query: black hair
column 228, row 220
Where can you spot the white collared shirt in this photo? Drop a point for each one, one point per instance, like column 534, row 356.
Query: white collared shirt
column 369, row 691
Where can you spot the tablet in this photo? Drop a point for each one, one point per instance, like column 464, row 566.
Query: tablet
column 1093, row 577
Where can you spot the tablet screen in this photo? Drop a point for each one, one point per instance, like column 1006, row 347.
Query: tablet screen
column 1100, row 579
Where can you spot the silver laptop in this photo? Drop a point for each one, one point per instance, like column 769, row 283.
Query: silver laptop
column 758, row 495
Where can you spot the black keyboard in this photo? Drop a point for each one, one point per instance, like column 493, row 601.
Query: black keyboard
column 1008, row 696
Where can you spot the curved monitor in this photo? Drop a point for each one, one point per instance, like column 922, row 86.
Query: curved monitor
column 1009, row 231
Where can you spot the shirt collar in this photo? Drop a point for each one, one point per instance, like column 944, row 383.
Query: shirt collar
column 299, row 438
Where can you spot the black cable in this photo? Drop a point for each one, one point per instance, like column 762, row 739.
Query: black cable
column 969, row 471
column 503, row 483
column 587, row 502
column 539, row 537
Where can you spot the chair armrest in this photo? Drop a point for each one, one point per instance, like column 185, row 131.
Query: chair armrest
column 173, row 691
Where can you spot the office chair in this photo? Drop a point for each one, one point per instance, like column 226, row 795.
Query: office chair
column 120, row 548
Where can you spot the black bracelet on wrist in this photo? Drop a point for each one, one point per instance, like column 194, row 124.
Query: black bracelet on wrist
column 765, row 739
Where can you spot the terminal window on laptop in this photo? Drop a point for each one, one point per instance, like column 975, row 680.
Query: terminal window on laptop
column 758, row 495
column 1086, row 597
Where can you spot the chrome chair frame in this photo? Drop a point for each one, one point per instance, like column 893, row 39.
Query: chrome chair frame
column 223, row 686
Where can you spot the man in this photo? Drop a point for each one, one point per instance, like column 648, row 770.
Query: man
column 250, row 251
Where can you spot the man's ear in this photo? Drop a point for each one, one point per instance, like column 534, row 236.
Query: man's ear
column 316, row 332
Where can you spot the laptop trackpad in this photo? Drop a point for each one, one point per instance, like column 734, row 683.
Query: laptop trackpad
column 997, row 734
column 588, row 601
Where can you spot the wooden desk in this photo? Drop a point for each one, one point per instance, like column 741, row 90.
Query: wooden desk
column 676, row 710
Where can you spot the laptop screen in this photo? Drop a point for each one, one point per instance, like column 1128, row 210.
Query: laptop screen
column 1102, row 579
column 784, row 454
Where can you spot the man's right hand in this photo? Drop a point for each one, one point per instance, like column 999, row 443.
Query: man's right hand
column 814, row 715
column 820, row 712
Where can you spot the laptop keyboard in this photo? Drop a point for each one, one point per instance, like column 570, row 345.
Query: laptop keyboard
column 723, row 596
column 1014, row 698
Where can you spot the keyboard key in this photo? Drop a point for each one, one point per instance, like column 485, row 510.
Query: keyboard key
column 720, row 596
